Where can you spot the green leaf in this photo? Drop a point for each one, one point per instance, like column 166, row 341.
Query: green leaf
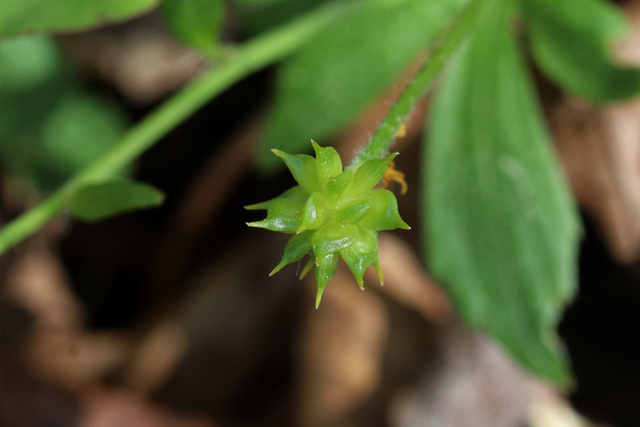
column 314, row 213
column 80, row 129
column 294, row 193
column 333, row 238
column 336, row 187
column 50, row 126
column 361, row 254
column 31, row 81
column 383, row 214
column 322, row 88
column 283, row 215
column 95, row 202
column 328, row 163
column 326, row 267
column 501, row 228
column 28, row 61
column 297, row 247
column 354, row 213
column 369, row 174
column 20, row 16
column 196, row 22
column 261, row 15
column 571, row 41
column 303, row 168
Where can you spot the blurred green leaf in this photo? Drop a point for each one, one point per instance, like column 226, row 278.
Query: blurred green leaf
column 501, row 229
column 261, row 15
column 95, row 202
column 571, row 41
column 31, row 74
column 196, row 22
column 263, row 2
column 50, row 127
column 332, row 79
column 21, row 16
column 80, row 129
column 27, row 61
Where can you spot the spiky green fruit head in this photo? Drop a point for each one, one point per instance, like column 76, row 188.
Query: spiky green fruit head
column 332, row 213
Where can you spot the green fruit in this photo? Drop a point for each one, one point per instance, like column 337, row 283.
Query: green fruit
column 331, row 213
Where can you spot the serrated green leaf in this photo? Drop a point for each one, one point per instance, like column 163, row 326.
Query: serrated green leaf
column 322, row 88
column 196, row 22
column 501, row 228
column 21, row 16
column 95, row 202
column 571, row 41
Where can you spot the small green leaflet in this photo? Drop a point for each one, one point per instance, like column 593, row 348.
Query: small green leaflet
column 21, row 16
column 571, row 41
column 196, row 22
column 95, row 202
column 501, row 228
column 322, row 88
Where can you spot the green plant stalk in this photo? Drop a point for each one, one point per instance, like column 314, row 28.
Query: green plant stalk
column 252, row 56
column 447, row 43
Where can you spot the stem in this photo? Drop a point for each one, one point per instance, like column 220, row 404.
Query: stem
column 253, row 56
column 448, row 42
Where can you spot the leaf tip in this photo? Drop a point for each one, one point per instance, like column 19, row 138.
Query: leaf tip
column 359, row 279
column 376, row 265
column 316, row 148
column 307, row 268
column 277, row 268
column 319, row 297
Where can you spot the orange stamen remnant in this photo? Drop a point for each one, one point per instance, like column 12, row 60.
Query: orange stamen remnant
column 393, row 175
column 402, row 131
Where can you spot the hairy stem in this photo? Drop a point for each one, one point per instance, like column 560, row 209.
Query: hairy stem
column 252, row 56
column 447, row 43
